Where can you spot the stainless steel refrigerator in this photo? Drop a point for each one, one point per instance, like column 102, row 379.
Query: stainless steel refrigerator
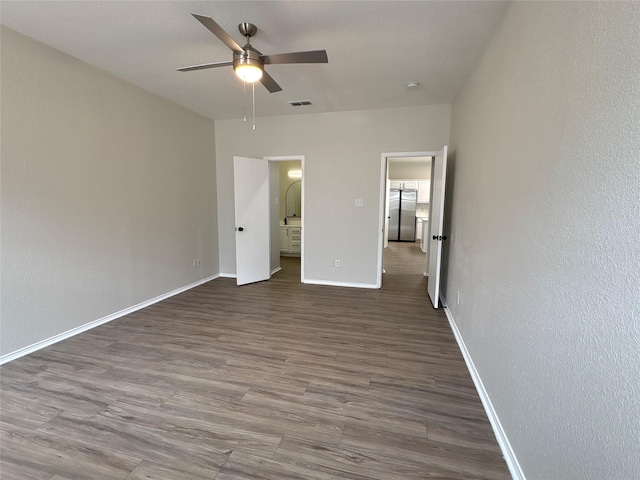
column 402, row 215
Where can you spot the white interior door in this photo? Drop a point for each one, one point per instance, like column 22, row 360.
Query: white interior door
column 436, row 218
column 251, row 187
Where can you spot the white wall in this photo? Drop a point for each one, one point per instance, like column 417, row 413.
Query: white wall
column 108, row 194
column 342, row 162
column 545, row 232
column 410, row 169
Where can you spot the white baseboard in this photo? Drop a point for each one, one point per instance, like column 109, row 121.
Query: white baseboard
column 228, row 275
column 88, row 326
column 276, row 270
column 339, row 284
column 501, row 436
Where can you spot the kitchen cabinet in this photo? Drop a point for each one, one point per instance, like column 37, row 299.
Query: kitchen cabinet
column 419, row 228
column 290, row 239
column 423, row 188
column 424, row 191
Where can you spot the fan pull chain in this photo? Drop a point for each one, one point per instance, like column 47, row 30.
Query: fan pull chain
column 253, row 103
column 244, row 100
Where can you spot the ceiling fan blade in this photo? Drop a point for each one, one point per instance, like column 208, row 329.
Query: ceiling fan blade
column 269, row 83
column 314, row 56
column 204, row 66
column 218, row 31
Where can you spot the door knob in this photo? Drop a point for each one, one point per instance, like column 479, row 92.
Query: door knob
column 444, row 237
column 435, row 237
column 240, row 229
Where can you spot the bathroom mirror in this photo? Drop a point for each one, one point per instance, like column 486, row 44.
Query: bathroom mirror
column 292, row 200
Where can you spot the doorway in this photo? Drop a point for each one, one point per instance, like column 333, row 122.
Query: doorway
column 403, row 246
column 287, row 215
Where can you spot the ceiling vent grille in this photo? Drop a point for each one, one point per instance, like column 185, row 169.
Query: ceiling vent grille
column 299, row 103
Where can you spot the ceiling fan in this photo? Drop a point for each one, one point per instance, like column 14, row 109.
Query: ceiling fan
column 248, row 62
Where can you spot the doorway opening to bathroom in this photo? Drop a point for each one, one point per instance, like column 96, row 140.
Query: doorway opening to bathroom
column 287, row 214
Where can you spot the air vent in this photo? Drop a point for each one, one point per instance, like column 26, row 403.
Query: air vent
column 299, row 103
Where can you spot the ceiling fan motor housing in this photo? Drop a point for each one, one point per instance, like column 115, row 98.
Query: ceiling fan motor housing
column 250, row 56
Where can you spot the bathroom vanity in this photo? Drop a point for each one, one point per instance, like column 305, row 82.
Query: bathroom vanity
column 290, row 240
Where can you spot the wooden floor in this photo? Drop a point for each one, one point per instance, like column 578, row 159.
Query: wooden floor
column 275, row 380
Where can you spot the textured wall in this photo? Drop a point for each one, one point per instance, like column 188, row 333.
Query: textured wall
column 108, row 194
column 544, row 213
column 342, row 163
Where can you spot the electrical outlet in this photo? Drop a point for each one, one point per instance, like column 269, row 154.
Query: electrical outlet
column 198, row 263
column 195, row 263
column 359, row 202
column 336, row 263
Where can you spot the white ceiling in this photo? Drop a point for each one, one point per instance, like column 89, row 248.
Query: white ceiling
column 374, row 47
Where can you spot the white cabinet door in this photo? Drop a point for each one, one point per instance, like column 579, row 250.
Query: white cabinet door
column 284, row 239
column 419, row 229
column 424, row 191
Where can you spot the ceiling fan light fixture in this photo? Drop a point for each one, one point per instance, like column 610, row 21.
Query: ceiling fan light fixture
column 248, row 73
column 248, row 64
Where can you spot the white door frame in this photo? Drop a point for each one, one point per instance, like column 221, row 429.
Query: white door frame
column 280, row 158
column 384, row 161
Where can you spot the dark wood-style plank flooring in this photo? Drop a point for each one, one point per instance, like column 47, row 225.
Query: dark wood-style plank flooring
column 275, row 380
